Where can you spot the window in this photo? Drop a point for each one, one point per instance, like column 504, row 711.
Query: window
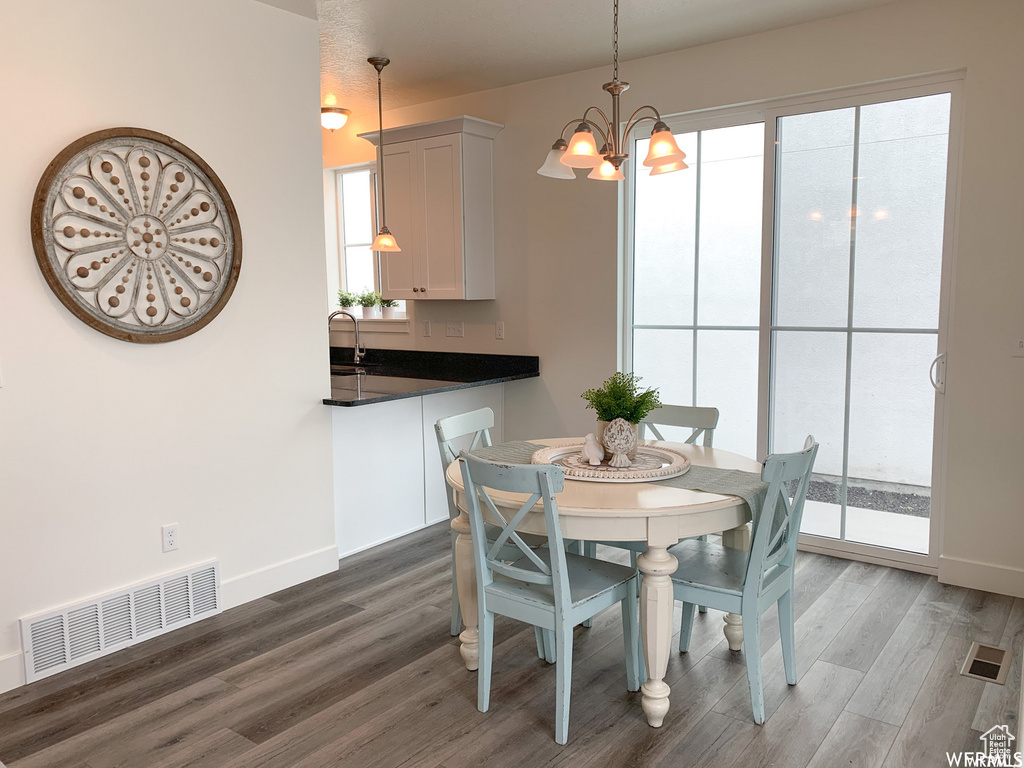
column 696, row 277
column 350, row 221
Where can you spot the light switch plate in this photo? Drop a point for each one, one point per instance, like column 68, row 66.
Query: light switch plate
column 456, row 328
column 426, row 329
column 1018, row 347
column 499, row 330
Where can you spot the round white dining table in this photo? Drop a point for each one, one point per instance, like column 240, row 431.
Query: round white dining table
column 650, row 512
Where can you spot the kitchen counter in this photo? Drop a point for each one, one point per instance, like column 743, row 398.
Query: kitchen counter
column 385, row 375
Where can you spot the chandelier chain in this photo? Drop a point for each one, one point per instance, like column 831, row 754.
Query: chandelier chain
column 615, row 41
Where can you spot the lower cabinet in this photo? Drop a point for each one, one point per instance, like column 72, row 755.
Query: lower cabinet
column 388, row 479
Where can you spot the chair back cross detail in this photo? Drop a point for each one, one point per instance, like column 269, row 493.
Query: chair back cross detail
column 702, row 421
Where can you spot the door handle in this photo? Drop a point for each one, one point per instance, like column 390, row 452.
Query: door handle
column 937, row 373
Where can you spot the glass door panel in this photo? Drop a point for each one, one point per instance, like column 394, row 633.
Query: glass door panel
column 859, row 209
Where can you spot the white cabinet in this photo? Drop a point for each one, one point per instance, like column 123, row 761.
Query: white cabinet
column 439, row 186
column 387, row 470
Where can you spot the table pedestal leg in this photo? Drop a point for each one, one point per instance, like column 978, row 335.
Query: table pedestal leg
column 737, row 538
column 656, row 604
column 466, row 578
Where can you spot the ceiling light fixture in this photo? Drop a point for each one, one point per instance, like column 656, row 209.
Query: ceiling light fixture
column 333, row 118
column 384, row 241
column 664, row 155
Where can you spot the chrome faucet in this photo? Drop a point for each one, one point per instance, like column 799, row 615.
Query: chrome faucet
column 360, row 352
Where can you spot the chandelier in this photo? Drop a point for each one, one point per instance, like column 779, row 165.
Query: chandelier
column 663, row 156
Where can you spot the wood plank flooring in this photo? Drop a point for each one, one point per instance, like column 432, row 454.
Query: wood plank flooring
column 357, row 669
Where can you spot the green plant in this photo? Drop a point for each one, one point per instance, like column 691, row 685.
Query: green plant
column 388, row 303
column 346, row 299
column 620, row 398
column 368, row 299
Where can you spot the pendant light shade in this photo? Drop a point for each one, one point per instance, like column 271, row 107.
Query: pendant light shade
column 663, row 148
column 384, row 241
column 582, row 151
column 553, row 167
column 333, row 118
column 668, row 168
column 605, row 170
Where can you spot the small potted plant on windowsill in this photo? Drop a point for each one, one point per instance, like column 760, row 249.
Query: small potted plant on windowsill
column 388, row 308
column 370, row 302
column 348, row 301
column 620, row 398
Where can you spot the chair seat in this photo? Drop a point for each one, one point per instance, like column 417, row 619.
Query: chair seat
column 712, row 566
column 588, row 578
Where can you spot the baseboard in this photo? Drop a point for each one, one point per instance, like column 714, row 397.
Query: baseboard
column 386, row 539
column 984, row 576
column 12, row 671
column 273, row 578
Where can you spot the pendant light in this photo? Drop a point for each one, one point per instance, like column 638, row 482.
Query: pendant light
column 664, row 155
column 553, row 166
column 384, row 241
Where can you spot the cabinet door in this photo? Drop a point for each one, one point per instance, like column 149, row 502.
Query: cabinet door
column 398, row 270
column 439, row 261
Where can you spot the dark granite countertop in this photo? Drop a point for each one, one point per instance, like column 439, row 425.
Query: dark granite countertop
column 386, row 374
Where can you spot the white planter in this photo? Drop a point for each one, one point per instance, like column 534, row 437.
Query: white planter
column 389, row 313
column 370, row 313
column 357, row 312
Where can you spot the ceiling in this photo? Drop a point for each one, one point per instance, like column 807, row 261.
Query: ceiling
column 443, row 48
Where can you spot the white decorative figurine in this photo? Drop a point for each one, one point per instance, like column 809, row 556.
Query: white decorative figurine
column 620, row 440
column 592, row 451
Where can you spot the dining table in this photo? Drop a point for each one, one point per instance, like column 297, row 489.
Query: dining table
column 651, row 512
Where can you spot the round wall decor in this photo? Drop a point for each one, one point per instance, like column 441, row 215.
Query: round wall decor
column 136, row 235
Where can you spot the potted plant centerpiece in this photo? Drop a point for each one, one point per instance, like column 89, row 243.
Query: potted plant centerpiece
column 389, row 308
column 370, row 302
column 620, row 406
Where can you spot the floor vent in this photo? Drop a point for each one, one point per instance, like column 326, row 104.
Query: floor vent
column 986, row 662
column 72, row 635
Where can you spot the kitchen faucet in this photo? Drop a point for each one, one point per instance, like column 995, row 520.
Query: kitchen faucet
column 359, row 352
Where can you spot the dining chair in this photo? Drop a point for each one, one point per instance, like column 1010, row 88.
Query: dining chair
column 734, row 581
column 547, row 587
column 701, row 421
column 476, row 425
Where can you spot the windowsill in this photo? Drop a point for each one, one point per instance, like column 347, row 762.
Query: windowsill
column 374, row 325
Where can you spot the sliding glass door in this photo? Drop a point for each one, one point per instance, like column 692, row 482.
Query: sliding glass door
column 859, row 208
column 795, row 277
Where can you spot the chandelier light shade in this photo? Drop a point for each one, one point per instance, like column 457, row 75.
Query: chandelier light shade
column 333, row 118
column 553, row 166
column 384, row 241
column 582, row 151
column 663, row 149
column 664, row 155
column 668, row 168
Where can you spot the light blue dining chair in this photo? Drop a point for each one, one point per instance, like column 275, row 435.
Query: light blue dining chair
column 473, row 429
column 748, row 584
column 545, row 587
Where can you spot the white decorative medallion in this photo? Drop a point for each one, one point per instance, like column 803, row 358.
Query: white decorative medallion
column 136, row 235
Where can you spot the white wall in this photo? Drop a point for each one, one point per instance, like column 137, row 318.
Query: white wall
column 556, row 241
column 223, row 432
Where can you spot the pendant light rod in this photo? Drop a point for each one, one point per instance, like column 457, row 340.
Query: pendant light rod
column 379, row 62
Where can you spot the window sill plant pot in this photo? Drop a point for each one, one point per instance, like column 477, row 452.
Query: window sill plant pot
column 389, row 309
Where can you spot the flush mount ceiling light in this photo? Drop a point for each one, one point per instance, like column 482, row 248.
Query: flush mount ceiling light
column 384, row 241
column 333, row 118
column 663, row 156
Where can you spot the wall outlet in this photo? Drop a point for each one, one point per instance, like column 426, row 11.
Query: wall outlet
column 426, row 329
column 499, row 330
column 169, row 535
column 1018, row 347
column 455, row 328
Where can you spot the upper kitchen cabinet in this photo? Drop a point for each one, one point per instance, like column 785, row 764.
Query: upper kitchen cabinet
column 440, row 208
